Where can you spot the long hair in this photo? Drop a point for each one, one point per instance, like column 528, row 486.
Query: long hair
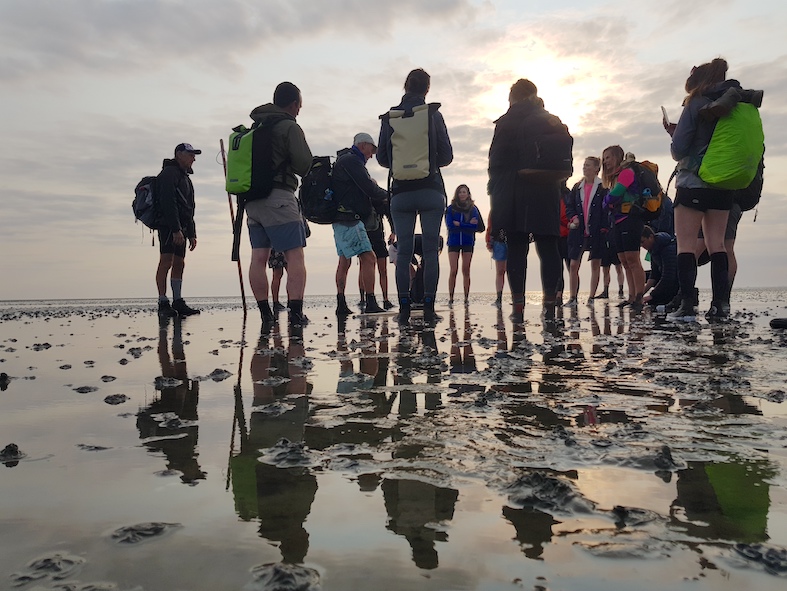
column 609, row 175
column 457, row 205
column 705, row 77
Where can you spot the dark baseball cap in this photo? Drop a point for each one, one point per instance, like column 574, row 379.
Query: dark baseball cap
column 187, row 148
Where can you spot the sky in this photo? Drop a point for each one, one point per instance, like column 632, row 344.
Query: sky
column 95, row 93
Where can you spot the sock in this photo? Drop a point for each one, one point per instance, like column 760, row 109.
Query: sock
column 719, row 276
column 687, row 273
column 265, row 309
column 176, row 286
column 295, row 306
column 340, row 299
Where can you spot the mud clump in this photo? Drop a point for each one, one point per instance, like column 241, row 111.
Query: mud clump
column 278, row 576
column 141, row 532
column 548, row 493
column 53, row 566
column 115, row 399
column 11, row 454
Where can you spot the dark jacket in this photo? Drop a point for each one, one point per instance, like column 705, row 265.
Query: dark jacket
column 575, row 207
column 291, row 153
column 519, row 205
column 664, row 269
column 440, row 151
column 666, row 220
column 175, row 195
column 358, row 195
column 464, row 233
column 692, row 135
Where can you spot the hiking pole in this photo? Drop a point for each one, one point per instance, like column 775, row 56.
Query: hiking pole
column 232, row 221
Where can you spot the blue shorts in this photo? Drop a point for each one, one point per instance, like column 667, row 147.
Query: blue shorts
column 276, row 222
column 499, row 251
column 351, row 241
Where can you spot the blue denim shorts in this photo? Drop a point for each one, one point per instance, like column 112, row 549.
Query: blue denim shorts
column 499, row 251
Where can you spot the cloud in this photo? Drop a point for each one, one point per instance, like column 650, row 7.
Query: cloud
column 60, row 37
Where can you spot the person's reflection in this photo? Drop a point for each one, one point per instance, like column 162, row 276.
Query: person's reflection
column 462, row 357
column 728, row 501
column 283, row 495
column 171, row 419
column 411, row 361
column 414, row 508
column 533, row 529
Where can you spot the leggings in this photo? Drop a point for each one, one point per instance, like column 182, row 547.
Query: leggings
column 549, row 255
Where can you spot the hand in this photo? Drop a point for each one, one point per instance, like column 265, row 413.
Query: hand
column 192, row 243
column 474, row 221
column 646, row 299
column 670, row 127
column 457, row 224
column 178, row 239
column 392, row 238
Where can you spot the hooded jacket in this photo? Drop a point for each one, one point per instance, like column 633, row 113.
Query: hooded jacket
column 175, row 195
column 291, row 153
column 519, row 205
column 358, row 195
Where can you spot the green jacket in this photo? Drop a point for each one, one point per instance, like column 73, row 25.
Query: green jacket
column 291, row 153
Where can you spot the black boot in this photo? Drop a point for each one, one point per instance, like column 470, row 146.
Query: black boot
column 430, row 318
column 371, row 305
column 342, row 309
column 404, row 311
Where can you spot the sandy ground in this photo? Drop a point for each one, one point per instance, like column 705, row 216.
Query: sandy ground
column 610, row 450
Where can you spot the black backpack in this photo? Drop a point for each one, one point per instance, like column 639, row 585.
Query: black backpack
column 749, row 197
column 647, row 188
column 316, row 194
column 145, row 204
column 545, row 149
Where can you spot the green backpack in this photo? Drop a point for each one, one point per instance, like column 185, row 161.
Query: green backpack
column 735, row 150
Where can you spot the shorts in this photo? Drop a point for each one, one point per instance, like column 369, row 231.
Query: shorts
column 731, row 231
column 461, row 248
column 499, row 251
column 277, row 260
column 705, row 199
column 276, row 222
column 166, row 246
column 628, row 234
column 377, row 239
column 351, row 241
column 610, row 255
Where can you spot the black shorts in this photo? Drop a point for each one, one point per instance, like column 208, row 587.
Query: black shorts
column 610, row 255
column 628, row 234
column 166, row 246
column 705, row 199
column 461, row 248
column 377, row 238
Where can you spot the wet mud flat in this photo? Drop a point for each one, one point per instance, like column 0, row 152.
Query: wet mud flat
column 607, row 450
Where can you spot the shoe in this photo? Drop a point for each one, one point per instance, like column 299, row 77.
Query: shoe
column 372, row 307
column 279, row 307
column 467, row 302
column 623, row 304
column 387, row 304
column 779, row 323
column 451, row 303
column 590, row 301
column 719, row 312
column 267, row 325
column 165, row 309
column 183, row 309
column 572, row 303
column 686, row 313
column 498, row 304
column 343, row 310
column 620, row 292
column 297, row 319
column 603, row 296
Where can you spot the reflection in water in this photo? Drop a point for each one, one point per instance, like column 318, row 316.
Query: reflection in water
column 279, row 497
column 416, row 511
column 171, row 420
column 413, row 361
column 533, row 529
column 724, row 500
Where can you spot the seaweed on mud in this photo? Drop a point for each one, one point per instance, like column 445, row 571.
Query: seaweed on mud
column 288, row 454
column 548, row 493
column 55, row 566
column 142, row 532
column 772, row 558
column 279, row 576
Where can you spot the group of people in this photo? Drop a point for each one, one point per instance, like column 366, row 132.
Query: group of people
column 597, row 214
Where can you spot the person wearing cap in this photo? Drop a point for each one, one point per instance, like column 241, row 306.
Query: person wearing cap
column 360, row 200
column 175, row 196
column 276, row 222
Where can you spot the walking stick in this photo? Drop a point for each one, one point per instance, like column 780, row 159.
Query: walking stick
column 232, row 221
